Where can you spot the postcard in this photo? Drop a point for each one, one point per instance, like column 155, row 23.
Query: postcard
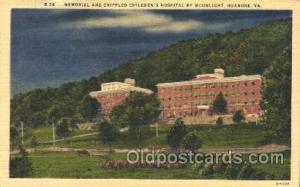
column 135, row 93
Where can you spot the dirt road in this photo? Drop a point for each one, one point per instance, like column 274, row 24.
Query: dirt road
column 270, row 148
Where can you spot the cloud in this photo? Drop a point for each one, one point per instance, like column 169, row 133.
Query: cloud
column 144, row 20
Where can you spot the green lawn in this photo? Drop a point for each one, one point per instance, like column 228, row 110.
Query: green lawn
column 229, row 136
column 70, row 165
column 45, row 134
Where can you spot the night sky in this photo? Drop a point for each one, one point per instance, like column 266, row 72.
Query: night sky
column 50, row 47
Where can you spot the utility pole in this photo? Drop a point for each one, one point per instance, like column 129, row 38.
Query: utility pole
column 22, row 132
column 156, row 129
column 53, row 134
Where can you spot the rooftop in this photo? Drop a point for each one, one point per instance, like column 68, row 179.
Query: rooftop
column 216, row 77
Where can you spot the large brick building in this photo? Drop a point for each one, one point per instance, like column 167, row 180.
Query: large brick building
column 194, row 98
column 114, row 93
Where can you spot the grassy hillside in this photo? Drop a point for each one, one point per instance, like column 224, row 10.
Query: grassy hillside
column 229, row 136
column 248, row 51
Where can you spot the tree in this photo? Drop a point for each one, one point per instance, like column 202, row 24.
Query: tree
column 33, row 142
column 14, row 136
column 108, row 133
column 176, row 133
column 136, row 112
column 63, row 128
column 88, row 108
column 219, row 121
column 220, row 104
column 277, row 96
column 238, row 116
column 192, row 141
column 54, row 113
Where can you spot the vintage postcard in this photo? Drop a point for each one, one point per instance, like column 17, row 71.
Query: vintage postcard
column 135, row 93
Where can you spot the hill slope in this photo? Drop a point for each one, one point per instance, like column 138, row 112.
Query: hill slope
column 248, row 51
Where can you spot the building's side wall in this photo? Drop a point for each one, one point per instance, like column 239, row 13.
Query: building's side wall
column 109, row 101
column 182, row 101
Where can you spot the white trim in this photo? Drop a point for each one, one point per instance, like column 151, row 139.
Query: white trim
column 127, row 89
column 226, row 79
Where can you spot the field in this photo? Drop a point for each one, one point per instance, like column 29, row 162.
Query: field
column 70, row 165
column 229, row 136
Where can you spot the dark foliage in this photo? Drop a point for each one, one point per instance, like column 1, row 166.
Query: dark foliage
column 176, row 133
column 219, row 121
column 238, row 116
column 108, row 133
column 136, row 112
column 220, row 104
column 277, row 95
column 192, row 141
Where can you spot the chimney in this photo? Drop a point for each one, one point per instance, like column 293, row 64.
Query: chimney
column 219, row 73
column 129, row 81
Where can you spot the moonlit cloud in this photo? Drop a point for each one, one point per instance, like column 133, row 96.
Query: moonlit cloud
column 144, row 20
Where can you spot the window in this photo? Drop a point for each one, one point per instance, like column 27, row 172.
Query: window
column 253, row 83
column 245, row 83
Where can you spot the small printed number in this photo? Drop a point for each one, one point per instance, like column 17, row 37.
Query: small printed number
column 282, row 183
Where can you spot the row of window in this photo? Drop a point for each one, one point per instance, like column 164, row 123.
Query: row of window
column 195, row 104
column 209, row 85
column 189, row 113
column 196, row 95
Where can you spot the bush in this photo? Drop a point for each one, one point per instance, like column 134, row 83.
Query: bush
column 207, row 170
column 246, row 172
column 219, row 121
column 176, row 133
column 231, row 171
column 220, row 104
column 33, row 142
column 192, row 141
column 63, row 129
column 20, row 167
column 238, row 116
column 108, row 133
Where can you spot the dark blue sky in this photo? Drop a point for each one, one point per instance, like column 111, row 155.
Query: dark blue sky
column 50, row 47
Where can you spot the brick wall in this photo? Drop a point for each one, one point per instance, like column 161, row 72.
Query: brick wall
column 182, row 100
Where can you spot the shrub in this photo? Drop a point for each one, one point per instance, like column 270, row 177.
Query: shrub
column 219, row 121
column 220, row 104
column 238, row 116
column 33, row 142
column 20, row 167
column 108, row 133
column 192, row 141
column 231, row 171
column 207, row 170
column 246, row 172
column 176, row 133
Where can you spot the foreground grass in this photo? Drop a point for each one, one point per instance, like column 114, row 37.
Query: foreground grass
column 70, row 165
